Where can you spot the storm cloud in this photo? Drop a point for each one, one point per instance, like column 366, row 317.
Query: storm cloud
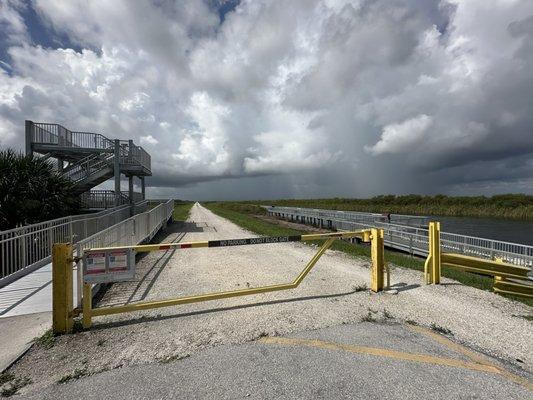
column 262, row 99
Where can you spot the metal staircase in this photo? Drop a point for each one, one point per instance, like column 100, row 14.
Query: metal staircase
column 89, row 159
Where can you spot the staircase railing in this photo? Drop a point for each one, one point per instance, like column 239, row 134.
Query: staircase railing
column 87, row 166
column 55, row 134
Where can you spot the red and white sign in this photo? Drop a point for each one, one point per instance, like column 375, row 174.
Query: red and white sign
column 95, row 263
column 108, row 266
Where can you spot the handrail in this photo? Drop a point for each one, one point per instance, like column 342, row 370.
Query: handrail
column 55, row 134
column 414, row 239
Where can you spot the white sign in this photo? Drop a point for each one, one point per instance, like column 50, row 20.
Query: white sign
column 108, row 266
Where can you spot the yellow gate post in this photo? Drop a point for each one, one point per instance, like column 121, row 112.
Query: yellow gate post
column 432, row 266
column 87, row 301
column 378, row 262
column 62, row 303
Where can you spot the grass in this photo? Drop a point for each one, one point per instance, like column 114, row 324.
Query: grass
column 181, row 210
column 46, row 340
column 13, row 385
column 6, row 377
column 360, row 288
column 247, row 220
column 175, row 357
column 440, row 329
column 77, row 374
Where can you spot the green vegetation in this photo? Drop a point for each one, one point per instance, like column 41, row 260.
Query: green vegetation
column 517, row 206
column 46, row 340
column 32, row 191
column 12, row 385
column 254, row 224
column 181, row 210
column 77, row 374
column 440, row 329
column 6, row 377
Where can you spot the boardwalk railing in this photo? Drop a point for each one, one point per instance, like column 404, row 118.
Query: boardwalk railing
column 137, row 229
column 407, row 234
column 24, row 249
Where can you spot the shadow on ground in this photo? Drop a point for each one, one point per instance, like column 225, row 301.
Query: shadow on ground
column 144, row 318
column 147, row 272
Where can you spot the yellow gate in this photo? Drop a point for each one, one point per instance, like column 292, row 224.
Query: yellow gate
column 62, row 274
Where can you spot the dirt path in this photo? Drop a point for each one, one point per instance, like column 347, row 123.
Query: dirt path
column 329, row 296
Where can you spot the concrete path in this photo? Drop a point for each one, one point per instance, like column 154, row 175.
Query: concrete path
column 25, row 312
column 18, row 332
column 363, row 361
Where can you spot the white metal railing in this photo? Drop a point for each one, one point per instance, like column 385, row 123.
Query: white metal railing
column 354, row 216
column 27, row 248
column 412, row 239
column 46, row 133
column 55, row 134
column 137, row 229
column 106, row 198
column 88, row 166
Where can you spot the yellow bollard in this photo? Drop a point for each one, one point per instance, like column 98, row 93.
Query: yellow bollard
column 378, row 262
column 87, row 305
column 62, row 302
column 432, row 266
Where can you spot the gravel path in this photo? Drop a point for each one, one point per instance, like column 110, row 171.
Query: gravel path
column 329, row 296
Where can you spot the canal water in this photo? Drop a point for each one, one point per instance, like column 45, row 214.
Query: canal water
column 506, row 230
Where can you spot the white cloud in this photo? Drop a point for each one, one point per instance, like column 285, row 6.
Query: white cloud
column 302, row 87
column 402, row 137
column 149, row 139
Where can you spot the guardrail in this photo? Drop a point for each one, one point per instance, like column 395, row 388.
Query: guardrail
column 508, row 278
column 24, row 249
column 411, row 239
column 324, row 218
column 63, row 311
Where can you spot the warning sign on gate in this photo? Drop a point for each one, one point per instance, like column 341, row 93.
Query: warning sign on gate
column 108, row 266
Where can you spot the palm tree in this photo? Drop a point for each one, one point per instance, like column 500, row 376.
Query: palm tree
column 32, row 191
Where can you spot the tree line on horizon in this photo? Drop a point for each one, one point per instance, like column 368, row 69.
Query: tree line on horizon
column 515, row 206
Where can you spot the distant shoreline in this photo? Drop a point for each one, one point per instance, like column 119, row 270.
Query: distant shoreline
column 509, row 206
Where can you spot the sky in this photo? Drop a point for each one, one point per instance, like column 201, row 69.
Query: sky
column 265, row 99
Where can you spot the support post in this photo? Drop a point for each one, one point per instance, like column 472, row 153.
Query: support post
column 117, row 172
column 62, row 302
column 432, row 267
column 130, row 194
column 378, row 260
column 87, row 306
column 143, row 188
column 28, row 126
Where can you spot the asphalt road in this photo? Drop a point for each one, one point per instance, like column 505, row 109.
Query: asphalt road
column 368, row 360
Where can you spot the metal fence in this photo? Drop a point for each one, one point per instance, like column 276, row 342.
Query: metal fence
column 24, row 249
column 55, row 134
column 46, row 133
column 106, row 198
column 323, row 216
column 407, row 234
column 137, row 229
